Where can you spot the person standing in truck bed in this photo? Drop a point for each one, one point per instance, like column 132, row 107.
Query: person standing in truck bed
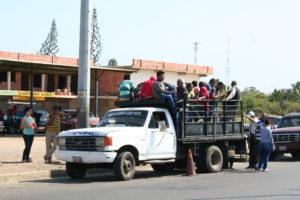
column 160, row 91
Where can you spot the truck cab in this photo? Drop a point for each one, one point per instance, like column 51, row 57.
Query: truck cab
column 144, row 134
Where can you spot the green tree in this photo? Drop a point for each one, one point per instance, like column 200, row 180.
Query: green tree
column 96, row 47
column 276, row 96
column 50, row 47
column 113, row 62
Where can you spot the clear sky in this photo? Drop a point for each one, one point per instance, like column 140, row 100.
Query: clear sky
column 264, row 34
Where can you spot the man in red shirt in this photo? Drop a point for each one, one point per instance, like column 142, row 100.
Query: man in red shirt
column 146, row 90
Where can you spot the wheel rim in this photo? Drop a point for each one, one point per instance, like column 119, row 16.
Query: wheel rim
column 215, row 158
column 128, row 165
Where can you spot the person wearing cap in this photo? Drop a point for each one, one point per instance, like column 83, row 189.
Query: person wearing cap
column 252, row 140
column 52, row 130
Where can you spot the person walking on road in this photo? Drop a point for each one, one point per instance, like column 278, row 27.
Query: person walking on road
column 253, row 150
column 266, row 146
column 52, row 130
column 28, row 125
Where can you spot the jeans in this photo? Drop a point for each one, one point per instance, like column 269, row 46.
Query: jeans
column 169, row 99
column 265, row 151
column 252, row 153
column 28, row 139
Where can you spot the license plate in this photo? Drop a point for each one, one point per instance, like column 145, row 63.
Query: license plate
column 77, row 159
column 282, row 148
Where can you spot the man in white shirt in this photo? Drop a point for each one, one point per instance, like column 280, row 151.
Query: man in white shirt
column 232, row 101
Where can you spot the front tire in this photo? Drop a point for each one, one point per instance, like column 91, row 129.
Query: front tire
column 211, row 160
column 124, row 166
column 75, row 170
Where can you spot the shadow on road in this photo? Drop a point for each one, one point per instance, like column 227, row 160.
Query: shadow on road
column 104, row 177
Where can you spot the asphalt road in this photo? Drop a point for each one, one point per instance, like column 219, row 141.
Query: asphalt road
column 283, row 182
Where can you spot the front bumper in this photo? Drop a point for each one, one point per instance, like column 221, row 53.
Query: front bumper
column 86, row 157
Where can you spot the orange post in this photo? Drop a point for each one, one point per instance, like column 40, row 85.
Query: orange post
column 190, row 168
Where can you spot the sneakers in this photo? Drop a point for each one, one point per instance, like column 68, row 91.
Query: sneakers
column 48, row 159
column 266, row 170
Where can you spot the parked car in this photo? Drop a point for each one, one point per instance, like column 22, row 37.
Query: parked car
column 70, row 121
column 275, row 119
column 41, row 119
column 287, row 136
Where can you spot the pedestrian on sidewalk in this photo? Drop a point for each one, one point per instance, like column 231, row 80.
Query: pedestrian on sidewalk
column 52, row 130
column 266, row 145
column 28, row 125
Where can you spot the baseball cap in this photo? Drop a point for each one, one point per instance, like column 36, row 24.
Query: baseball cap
column 251, row 114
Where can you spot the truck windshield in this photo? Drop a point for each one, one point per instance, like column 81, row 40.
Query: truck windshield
column 289, row 122
column 124, row 118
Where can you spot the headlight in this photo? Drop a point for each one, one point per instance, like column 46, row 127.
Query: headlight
column 99, row 142
column 106, row 141
column 61, row 141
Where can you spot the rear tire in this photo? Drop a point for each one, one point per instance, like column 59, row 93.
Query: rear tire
column 211, row 160
column 124, row 166
column 165, row 167
column 75, row 170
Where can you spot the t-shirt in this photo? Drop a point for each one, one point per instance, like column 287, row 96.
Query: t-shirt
column 181, row 92
column 125, row 88
column 191, row 94
column 55, row 126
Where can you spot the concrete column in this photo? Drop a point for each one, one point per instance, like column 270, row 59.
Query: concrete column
column 43, row 82
column 69, row 82
column 8, row 80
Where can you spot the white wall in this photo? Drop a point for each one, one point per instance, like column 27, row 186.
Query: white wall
column 170, row 77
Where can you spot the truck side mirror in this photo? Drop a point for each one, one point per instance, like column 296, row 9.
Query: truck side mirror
column 162, row 125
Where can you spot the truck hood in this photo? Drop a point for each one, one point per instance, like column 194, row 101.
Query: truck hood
column 287, row 130
column 100, row 131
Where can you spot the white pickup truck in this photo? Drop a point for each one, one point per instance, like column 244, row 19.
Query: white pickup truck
column 134, row 135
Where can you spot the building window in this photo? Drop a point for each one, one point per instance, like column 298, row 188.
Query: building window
column 3, row 77
column 37, row 79
column 62, row 81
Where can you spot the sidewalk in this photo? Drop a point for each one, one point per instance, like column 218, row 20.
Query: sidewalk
column 12, row 169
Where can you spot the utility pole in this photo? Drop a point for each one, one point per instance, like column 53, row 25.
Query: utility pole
column 84, row 73
column 227, row 67
column 195, row 52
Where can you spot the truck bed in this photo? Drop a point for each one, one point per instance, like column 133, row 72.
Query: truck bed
column 197, row 124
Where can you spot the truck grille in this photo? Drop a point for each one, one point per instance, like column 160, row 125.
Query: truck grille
column 81, row 143
column 285, row 138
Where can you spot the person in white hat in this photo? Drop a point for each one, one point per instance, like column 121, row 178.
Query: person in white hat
column 253, row 150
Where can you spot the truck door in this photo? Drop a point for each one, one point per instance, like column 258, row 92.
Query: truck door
column 161, row 141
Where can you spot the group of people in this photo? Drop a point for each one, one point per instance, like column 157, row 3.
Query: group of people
column 29, row 127
column 261, row 142
column 157, row 88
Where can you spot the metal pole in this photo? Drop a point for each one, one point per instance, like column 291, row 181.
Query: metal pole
column 84, row 73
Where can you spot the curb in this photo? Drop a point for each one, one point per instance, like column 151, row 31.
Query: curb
column 56, row 173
